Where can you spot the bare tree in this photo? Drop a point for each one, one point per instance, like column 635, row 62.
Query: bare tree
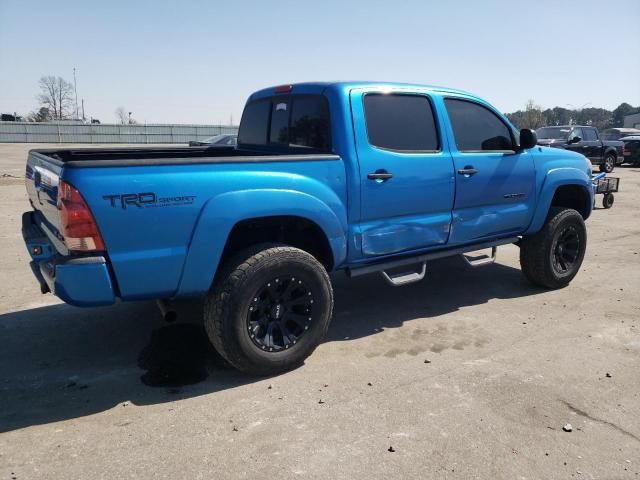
column 532, row 117
column 121, row 115
column 57, row 96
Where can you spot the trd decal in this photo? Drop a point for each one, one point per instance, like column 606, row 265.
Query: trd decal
column 146, row 200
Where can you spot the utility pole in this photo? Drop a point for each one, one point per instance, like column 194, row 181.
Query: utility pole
column 75, row 90
column 83, row 117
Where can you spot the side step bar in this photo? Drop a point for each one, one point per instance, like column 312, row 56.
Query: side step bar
column 412, row 260
column 481, row 261
column 405, row 278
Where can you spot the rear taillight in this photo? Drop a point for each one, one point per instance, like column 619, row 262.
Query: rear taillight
column 78, row 227
column 283, row 88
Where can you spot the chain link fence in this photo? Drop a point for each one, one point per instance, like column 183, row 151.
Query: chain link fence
column 65, row 132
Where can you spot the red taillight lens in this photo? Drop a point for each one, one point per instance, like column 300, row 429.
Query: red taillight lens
column 78, row 227
column 284, row 88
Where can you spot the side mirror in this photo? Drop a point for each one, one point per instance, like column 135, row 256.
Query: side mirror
column 575, row 139
column 528, row 138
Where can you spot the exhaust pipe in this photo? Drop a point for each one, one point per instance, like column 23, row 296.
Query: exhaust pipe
column 166, row 310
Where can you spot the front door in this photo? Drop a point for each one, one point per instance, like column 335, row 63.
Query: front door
column 406, row 176
column 575, row 145
column 495, row 182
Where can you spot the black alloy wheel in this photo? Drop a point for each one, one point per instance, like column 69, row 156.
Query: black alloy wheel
column 280, row 313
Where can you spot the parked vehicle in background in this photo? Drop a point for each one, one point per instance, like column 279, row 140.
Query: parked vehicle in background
column 358, row 177
column 584, row 140
column 222, row 140
column 618, row 133
column 631, row 149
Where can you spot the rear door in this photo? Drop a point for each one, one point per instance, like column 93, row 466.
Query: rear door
column 494, row 182
column 406, row 174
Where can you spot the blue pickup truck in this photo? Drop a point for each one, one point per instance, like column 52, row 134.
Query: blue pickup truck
column 360, row 177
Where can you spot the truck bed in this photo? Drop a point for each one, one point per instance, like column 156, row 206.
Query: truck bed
column 188, row 194
column 107, row 157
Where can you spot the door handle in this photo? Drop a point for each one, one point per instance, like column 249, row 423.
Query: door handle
column 380, row 175
column 467, row 171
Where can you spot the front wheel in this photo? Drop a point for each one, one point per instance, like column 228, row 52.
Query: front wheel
column 609, row 163
column 607, row 200
column 269, row 309
column 553, row 256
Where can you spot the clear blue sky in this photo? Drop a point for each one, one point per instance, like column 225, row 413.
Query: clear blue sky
column 197, row 61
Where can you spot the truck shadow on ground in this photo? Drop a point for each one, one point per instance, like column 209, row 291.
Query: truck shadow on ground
column 59, row 362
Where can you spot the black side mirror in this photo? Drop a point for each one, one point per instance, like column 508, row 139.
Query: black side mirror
column 575, row 139
column 528, row 138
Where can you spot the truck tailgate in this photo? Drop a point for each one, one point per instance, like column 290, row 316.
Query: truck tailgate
column 42, row 178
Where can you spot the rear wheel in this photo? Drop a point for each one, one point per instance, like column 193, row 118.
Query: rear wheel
column 553, row 256
column 609, row 163
column 269, row 309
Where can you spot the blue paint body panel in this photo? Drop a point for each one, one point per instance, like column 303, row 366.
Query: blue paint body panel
column 84, row 285
column 171, row 248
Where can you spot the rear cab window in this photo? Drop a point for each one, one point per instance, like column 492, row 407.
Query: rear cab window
column 287, row 122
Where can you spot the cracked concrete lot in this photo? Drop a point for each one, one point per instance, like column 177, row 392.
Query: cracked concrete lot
column 471, row 373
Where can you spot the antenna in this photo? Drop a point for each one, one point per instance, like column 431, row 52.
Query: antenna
column 75, row 90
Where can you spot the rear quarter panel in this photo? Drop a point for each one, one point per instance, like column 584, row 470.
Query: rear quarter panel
column 155, row 247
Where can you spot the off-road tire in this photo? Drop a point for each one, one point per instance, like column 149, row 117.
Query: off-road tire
column 228, row 304
column 537, row 252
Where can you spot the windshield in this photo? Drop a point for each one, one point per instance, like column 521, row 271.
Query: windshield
column 555, row 133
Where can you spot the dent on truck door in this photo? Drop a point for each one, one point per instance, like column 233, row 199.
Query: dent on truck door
column 407, row 183
column 494, row 183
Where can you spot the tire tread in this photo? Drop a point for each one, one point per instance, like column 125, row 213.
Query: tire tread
column 218, row 305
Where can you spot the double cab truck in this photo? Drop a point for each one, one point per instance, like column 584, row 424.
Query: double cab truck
column 606, row 154
column 356, row 177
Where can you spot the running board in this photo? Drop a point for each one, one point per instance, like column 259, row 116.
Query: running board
column 405, row 278
column 356, row 271
column 483, row 260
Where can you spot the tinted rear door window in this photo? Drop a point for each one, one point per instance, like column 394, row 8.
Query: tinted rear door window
column 590, row 134
column 476, row 128
column 398, row 122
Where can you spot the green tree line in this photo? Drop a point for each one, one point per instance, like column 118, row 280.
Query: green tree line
column 533, row 116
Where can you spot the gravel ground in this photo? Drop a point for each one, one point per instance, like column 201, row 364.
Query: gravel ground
column 471, row 373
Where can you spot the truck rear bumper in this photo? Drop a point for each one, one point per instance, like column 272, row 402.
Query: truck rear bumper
column 80, row 281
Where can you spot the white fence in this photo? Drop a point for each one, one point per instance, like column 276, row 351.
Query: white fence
column 63, row 132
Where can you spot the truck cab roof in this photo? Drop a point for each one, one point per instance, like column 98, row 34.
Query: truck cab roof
column 346, row 86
